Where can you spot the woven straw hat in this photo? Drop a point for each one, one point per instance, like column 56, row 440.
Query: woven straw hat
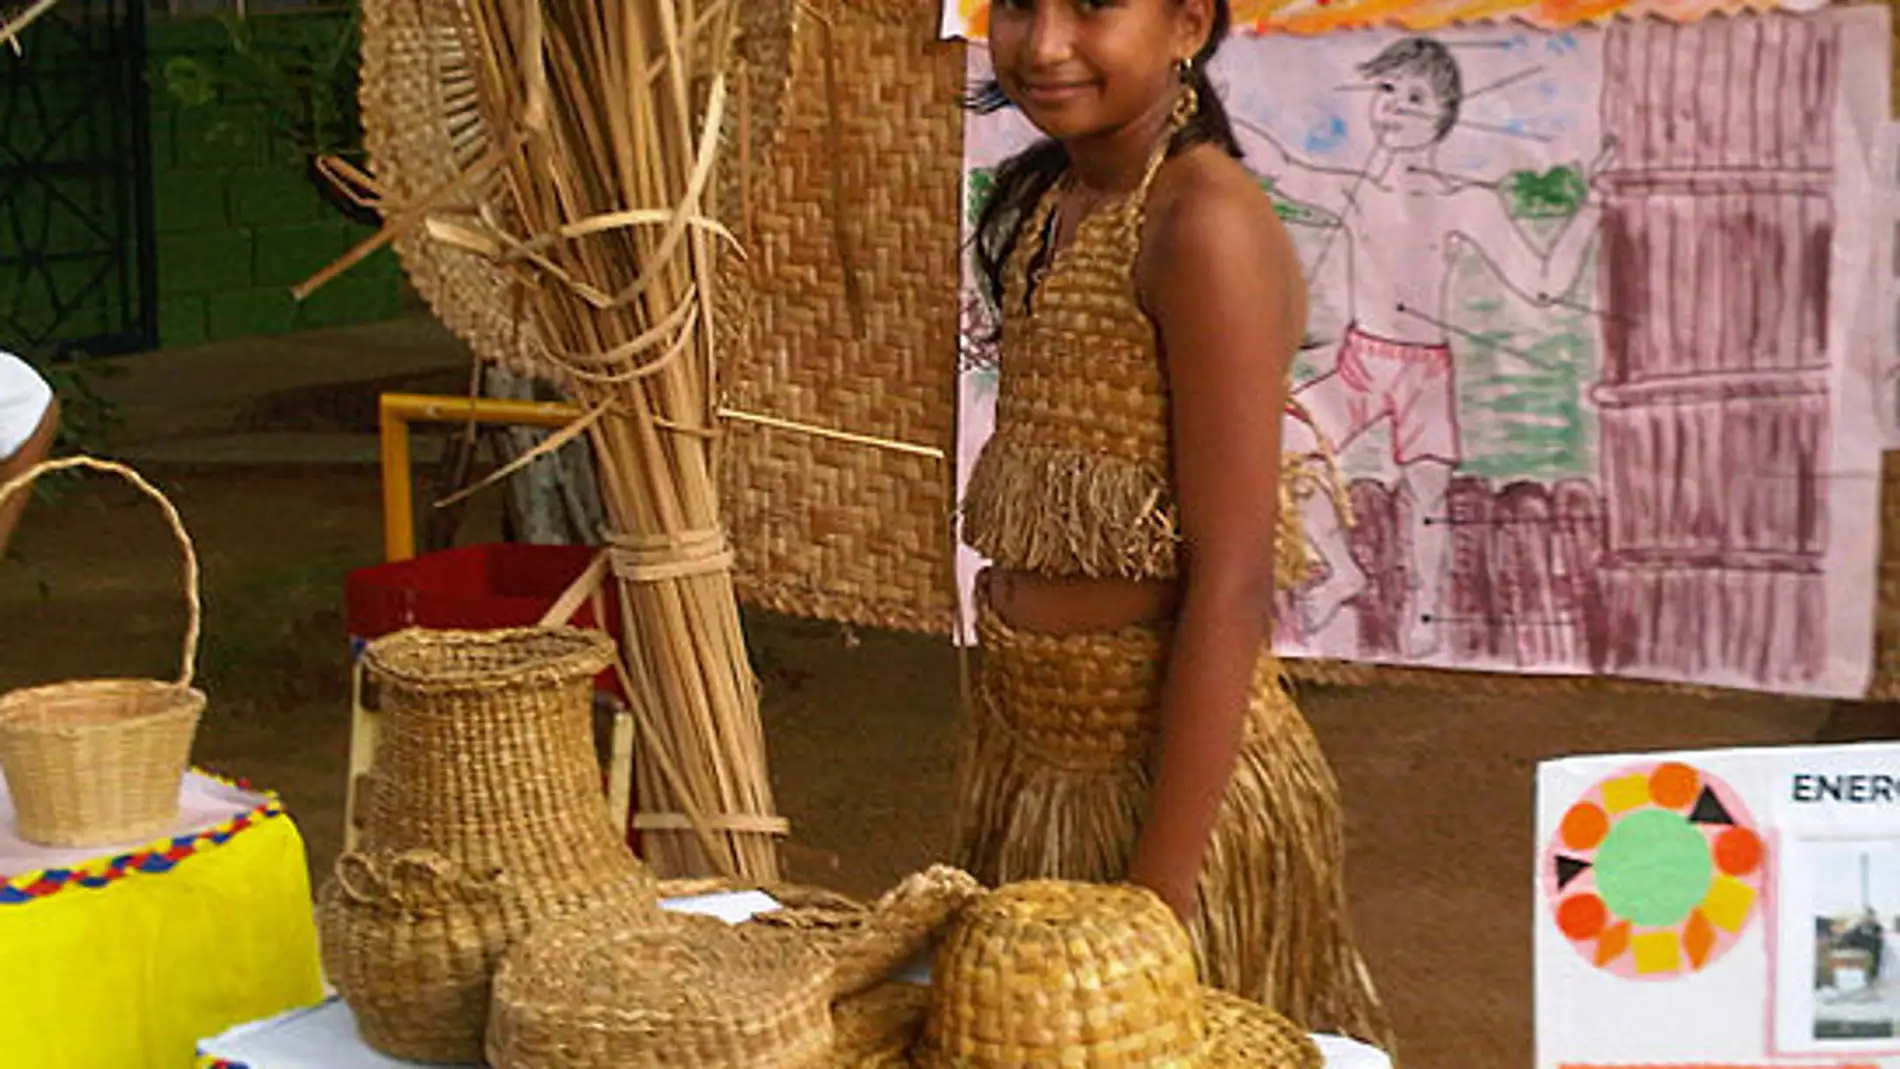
column 1050, row 972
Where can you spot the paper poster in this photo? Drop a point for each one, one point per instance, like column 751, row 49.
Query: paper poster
column 1729, row 908
column 1883, row 320
column 969, row 19
column 1593, row 329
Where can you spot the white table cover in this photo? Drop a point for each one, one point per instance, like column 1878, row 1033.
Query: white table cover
column 203, row 802
column 325, row 1037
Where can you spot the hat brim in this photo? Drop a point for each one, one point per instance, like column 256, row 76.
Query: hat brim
column 1241, row 1034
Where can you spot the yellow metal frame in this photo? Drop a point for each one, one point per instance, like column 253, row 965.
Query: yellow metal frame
column 397, row 411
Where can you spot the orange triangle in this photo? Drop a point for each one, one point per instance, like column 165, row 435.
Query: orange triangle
column 1612, row 943
column 1698, row 938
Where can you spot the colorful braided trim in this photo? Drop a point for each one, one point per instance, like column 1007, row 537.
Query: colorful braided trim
column 154, row 858
column 206, row 1061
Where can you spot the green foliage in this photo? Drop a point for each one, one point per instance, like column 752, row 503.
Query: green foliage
column 87, row 418
column 300, row 70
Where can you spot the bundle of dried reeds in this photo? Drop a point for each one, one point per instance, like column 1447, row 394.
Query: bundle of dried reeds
column 605, row 123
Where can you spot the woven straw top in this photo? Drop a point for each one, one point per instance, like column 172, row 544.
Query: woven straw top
column 1049, row 972
column 1076, row 478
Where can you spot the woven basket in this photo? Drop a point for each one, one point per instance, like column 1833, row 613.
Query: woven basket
column 875, row 1029
column 95, row 762
column 485, row 820
column 865, row 943
column 683, row 992
column 615, row 989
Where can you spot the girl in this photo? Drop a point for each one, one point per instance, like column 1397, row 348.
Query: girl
column 1133, row 721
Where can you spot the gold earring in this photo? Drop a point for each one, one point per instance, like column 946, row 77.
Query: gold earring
column 1189, row 101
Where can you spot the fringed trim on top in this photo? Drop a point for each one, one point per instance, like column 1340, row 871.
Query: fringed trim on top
column 1069, row 512
column 1078, row 512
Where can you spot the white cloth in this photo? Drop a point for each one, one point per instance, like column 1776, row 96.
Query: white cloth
column 202, row 803
column 325, row 1037
column 24, row 397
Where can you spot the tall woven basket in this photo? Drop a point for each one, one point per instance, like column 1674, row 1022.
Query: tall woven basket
column 99, row 761
column 486, row 819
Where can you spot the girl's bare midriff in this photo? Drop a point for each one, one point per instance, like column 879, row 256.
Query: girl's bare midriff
column 1051, row 605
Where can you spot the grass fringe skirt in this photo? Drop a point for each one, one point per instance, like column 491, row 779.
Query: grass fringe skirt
column 1055, row 784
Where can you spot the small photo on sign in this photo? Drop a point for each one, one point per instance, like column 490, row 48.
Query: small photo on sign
column 1853, row 909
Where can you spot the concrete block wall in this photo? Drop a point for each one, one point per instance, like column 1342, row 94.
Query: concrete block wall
column 236, row 220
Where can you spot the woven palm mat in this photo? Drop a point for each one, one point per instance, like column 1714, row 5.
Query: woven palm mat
column 852, row 270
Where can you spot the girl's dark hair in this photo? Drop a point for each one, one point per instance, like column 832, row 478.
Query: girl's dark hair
column 1020, row 181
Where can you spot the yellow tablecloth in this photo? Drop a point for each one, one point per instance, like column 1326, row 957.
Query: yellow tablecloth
column 125, row 959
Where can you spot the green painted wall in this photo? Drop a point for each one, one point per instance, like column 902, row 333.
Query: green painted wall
column 237, row 223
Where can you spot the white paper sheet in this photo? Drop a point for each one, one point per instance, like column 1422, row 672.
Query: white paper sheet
column 1717, row 965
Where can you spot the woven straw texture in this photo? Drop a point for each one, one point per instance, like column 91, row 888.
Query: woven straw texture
column 1056, row 782
column 422, row 132
column 865, row 943
column 485, row 820
column 609, row 991
column 853, row 270
column 1060, row 973
column 868, row 945
column 94, row 762
column 1075, row 479
column 876, row 1029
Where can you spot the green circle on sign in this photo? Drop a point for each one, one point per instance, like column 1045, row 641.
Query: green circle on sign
column 1653, row 868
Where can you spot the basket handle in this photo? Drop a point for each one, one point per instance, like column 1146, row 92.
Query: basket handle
column 194, row 610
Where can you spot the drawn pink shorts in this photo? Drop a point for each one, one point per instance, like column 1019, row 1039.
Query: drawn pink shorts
column 1407, row 383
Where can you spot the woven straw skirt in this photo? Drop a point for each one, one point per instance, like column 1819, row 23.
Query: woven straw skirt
column 1055, row 783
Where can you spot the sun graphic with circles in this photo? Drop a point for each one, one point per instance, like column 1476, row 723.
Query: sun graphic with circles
column 1655, row 872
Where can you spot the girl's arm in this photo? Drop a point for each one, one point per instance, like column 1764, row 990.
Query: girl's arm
column 1221, row 280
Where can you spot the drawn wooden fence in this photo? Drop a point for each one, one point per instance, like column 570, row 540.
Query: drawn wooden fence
column 1717, row 236
column 1524, row 589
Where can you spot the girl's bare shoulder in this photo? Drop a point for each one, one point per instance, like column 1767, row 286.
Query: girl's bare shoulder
column 1205, row 211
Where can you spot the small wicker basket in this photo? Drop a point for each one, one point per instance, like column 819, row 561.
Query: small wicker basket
column 95, row 762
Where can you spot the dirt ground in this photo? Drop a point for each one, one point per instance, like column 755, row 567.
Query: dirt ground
column 1438, row 785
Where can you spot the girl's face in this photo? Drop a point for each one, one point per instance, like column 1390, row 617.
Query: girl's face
column 1080, row 68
